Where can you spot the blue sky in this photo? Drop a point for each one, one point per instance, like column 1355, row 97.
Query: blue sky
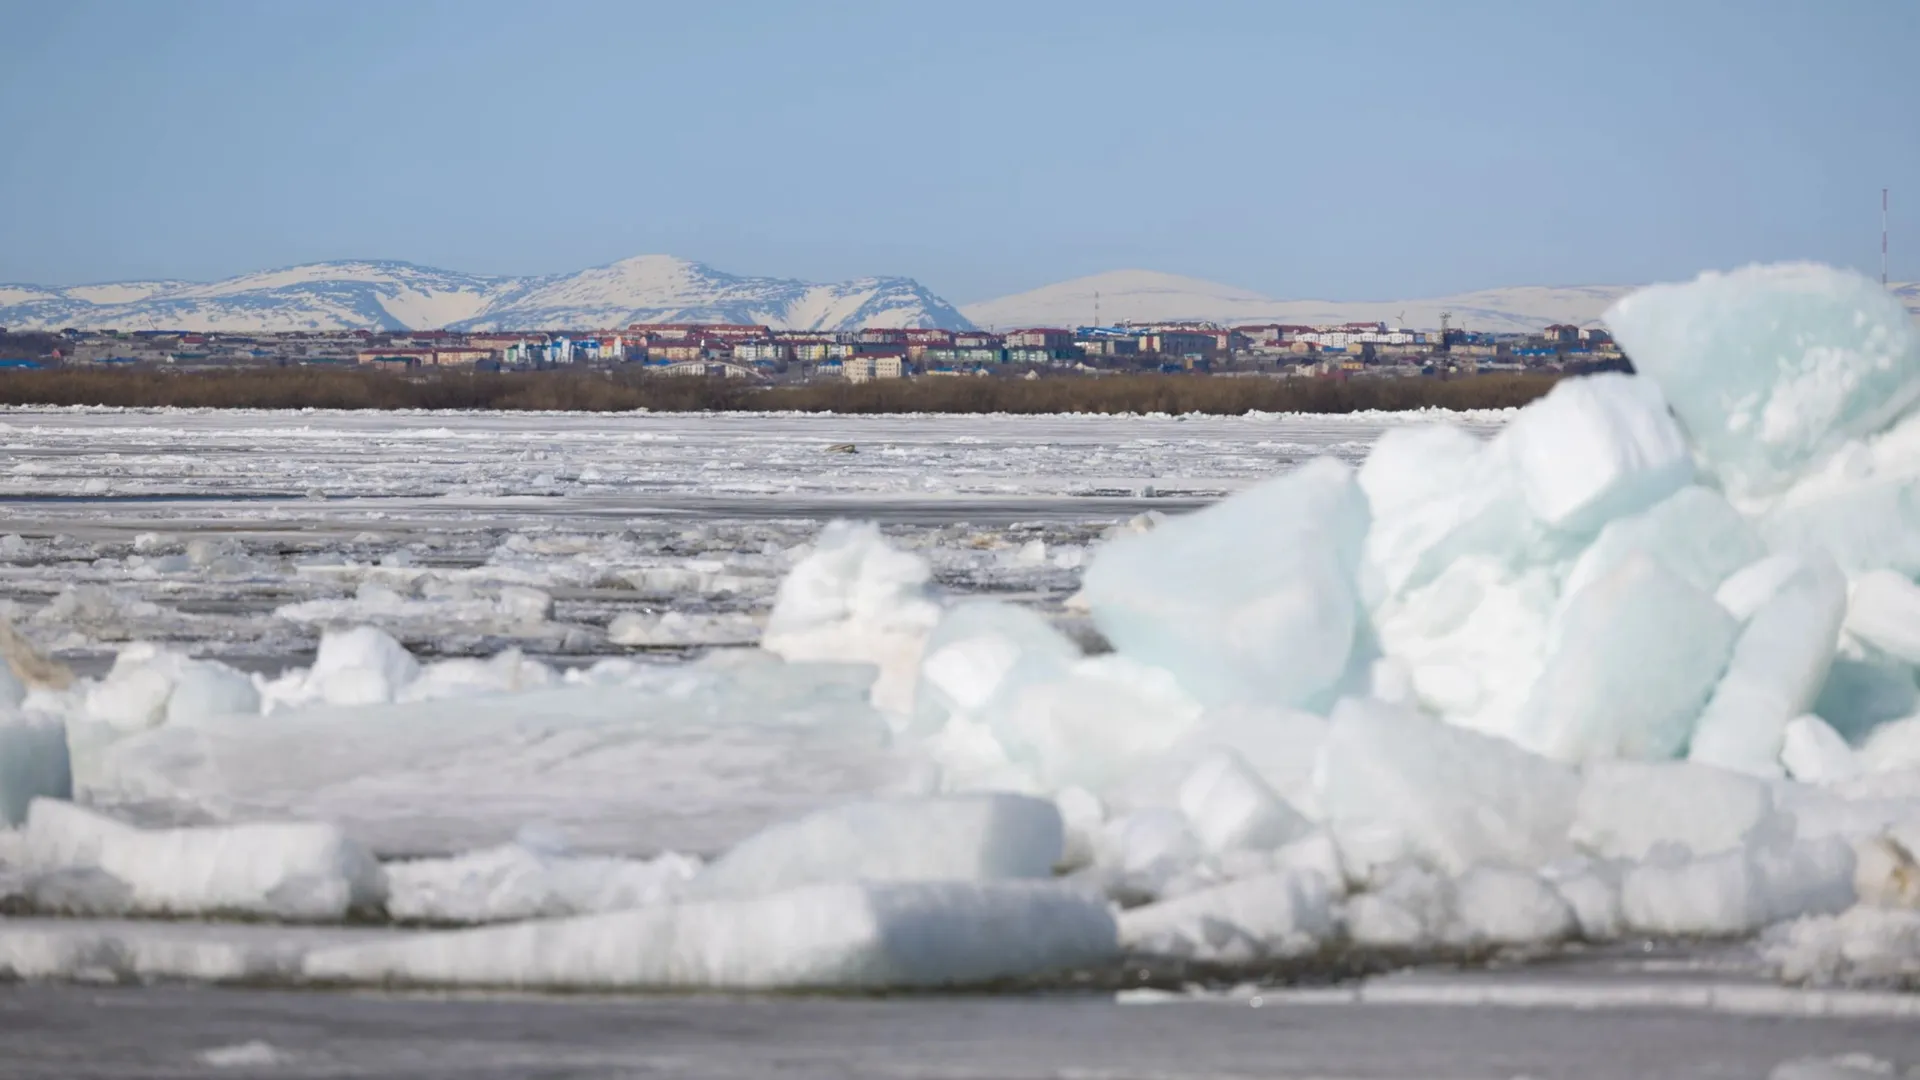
column 1353, row 149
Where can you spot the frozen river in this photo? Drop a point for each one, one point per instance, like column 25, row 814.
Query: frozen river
column 245, row 535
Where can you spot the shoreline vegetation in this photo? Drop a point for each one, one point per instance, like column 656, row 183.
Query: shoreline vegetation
column 616, row 392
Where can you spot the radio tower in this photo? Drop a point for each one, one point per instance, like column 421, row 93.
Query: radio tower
column 1883, row 238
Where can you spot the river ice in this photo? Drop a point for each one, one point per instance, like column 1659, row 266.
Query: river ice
column 1491, row 696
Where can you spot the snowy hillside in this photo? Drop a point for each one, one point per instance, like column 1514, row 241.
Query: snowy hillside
column 1147, row 296
column 661, row 288
column 402, row 296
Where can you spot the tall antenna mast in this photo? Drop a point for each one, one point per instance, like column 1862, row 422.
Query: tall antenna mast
column 1883, row 238
column 1096, row 307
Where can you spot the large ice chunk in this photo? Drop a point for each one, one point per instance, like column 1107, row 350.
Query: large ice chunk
column 1772, row 368
column 1628, row 808
column 1597, row 448
column 1438, row 494
column 1251, row 598
column 361, row 666
column 1504, row 906
column 133, row 694
column 1862, row 507
column 206, row 688
column 1885, row 613
column 1277, row 915
column 33, row 762
column 626, row 757
column 868, row 936
column 857, row 599
column 1451, row 797
column 1694, row 532
column 1813, row 753
column 981, row 654
column 1472, row 641
column 1231, row 808
column 944, row 838
column 1146, row 851
column 1779, row 663
column 306, row 871
column 1412, row 907
column 1633, row 659
column 1093, row 725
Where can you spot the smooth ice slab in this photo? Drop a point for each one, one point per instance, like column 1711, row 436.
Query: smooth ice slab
column 1252, row 598
column 871, row 936
column 1634, row 658
column 1694, row 532
column 1596, row 448
column 1779, row 663
column 1772, row 368
column 305, row 871
column 638, row 758
column 938, row 838
column 1393, row 778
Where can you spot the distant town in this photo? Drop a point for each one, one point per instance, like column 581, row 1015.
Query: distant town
column 764, row 354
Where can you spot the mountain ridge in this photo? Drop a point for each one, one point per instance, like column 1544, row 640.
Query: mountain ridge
column 377, row 294
column 368, row 294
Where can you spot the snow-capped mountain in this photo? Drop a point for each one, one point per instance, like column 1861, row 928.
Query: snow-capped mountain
column 402, row 296
column 1147, row 296
column 660, row 288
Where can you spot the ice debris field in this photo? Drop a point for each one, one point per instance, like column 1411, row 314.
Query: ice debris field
column 1639, row 666
column 245, row 535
